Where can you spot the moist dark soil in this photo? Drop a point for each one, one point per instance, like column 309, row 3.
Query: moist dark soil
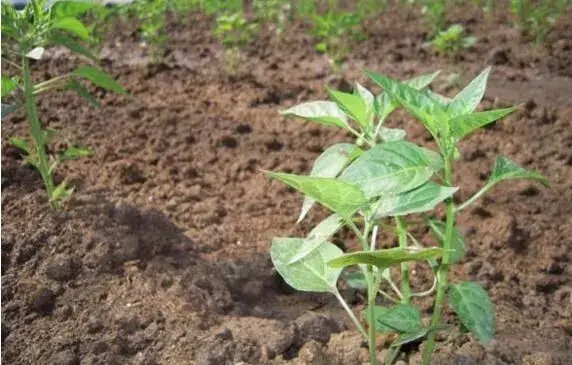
column 161, row 255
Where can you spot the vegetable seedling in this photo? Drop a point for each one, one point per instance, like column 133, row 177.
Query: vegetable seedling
column 452, row 41
column 26, row 34
column 378, row 182
column 234, row 32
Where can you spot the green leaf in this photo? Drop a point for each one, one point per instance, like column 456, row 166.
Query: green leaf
column 21, row 144
column 320, row 234
column 392, row 168
column 82, row 91
column 406, row 338
column 61, row 192
column 419, row 200
column 457, row 243
column 352, row 105
column 339, row 196
column 8, row 85
column 356, row 280
column 63, row 9
column 310, row 273
column 99, row 78
column 72, row 45
column 383, row 103
column 320, row 112
column 73, row 26
column 329, row 164
column 505, row 169
column 73, row 153
column 469, row 98
column 366, row 95
column 473, row 306
column 403, row 318
column 423, row 107
column 464, row 124
column 387, row 257
column 49, row 134
column 391, row 134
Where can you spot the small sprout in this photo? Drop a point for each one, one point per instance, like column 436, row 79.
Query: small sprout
column 380, row 178
column 452, row 41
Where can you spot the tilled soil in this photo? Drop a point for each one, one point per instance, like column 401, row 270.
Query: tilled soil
column 161, row 256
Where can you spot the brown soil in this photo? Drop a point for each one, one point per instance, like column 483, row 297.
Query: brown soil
column 161, row 256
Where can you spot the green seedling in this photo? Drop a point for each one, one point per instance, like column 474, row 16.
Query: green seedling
column 435, row 12
column 277, row 13
column 234, row 32
column 452, row 41
column 335, row 31
column 26, row 34
column 380, row 181
column 537, row 19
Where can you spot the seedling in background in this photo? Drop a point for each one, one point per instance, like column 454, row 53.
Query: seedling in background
column 435, row 11
column 234, row 32
column 276, row 13
column 25, row 35
column 379, row 181
column 452, row 41
column 538, row 18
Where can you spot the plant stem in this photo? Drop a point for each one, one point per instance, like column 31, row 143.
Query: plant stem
column 36, row 131
column 405, row 284
column 351, row 314
column 477, row 195
column 371, row 296
column 444, row 267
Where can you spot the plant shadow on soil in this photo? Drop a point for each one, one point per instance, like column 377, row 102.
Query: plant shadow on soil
column 161, row 256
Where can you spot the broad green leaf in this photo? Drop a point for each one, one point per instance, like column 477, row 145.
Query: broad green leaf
column 321, row 112
column 352, row 105
column 469, row 98
column 464, row 124
column 36, row 53
column 423, row 107
column 310, row 273
column 457, row 244
column 99, row 78
column 392, row 168
column 383, row 103
column 403, row 318
column 505, row 169
column 339, row 196
column 419, row 200
column 8, row 85
column 320, row 234
column 356, row 280
column 82, row 91
column 72, row 45
column 21, row 144
column 443, row 100
column 72, row 153
column 329, row 164
column 387, row 257
column 64, row 8
column 473, row 306
column 366, row 95
column 73, row 26
column 391, row 134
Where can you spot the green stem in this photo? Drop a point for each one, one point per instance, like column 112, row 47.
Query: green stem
column 477, row 195
column 351, row 314
column 405, row 283
column 36, row 131
column 371, row 296
column 443, row 271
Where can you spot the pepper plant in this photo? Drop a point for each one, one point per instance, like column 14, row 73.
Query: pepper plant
column 26, row 34
column 380, row 181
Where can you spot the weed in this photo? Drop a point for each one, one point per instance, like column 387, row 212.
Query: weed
column 26, row 34
column 452, row 41
column 234, row 32
column 378, row 182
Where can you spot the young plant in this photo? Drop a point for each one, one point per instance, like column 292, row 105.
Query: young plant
column 452, row 41
column 275, row 12
column 435, row 11
column 537, row 19
column 234, row 32
column 379, row 181
column 334, row 32
column 25, row 35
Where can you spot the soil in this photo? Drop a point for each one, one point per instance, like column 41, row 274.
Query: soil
column 161, row 255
